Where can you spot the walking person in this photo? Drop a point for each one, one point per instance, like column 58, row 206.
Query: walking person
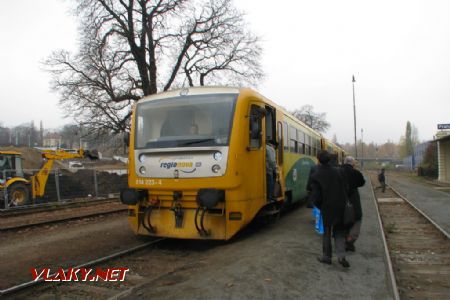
column 310, row 200
column 355, row 179
column 270, row 172
column 329, row 195
column 382, row 180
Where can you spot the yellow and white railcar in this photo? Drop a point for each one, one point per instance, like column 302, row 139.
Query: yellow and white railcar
column 197, row 162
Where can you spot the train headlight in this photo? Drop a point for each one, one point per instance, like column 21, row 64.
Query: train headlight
column 210, row 197
column 129, row 196
column 218, row 155
column 142, row 170
column 215, row 168
column 142, row 158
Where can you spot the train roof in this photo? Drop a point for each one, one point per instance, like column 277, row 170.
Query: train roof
column 193, row 91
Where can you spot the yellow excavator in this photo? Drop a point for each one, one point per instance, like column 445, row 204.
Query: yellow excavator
column 15, row 189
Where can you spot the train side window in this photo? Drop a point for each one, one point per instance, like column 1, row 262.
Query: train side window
column 308, row 145
column 293, row 139
column 285, row 137
column 301, row 141
column 280, row 130
column 314, row 147
column 301, row 149
column 270, row 125
column 293, row 146
column 292, row 133
column 255, row 124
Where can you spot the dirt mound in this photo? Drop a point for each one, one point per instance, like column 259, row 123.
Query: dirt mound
column 32, row 158
column 81, row 184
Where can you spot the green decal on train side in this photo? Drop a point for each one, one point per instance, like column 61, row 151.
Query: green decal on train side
column 297, row 177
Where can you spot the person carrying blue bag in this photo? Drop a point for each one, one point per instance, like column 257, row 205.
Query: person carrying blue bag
column 318, row 218
column 328, row 190
column 310, row 203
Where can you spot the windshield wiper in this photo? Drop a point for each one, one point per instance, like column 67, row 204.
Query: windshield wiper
column 197, row 142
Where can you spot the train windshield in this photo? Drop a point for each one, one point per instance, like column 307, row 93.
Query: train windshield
column 185, row 121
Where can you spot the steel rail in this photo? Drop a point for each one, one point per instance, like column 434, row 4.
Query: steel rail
column 385, row 246
column 53, row 206
column 421, row 212
column 97, row 261
column 49, row 222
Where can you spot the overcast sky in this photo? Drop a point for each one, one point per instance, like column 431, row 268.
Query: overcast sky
column 399, row 52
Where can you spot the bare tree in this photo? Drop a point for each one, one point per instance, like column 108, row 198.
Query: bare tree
column 133, row 48
column 314, row 120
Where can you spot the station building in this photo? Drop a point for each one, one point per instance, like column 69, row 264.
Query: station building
column 443, row 150
column 412, row 162
column 419, row 153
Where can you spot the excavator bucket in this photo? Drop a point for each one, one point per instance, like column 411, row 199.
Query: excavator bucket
column 91, row 154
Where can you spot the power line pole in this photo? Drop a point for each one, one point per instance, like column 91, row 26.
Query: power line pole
column 354, row 115
column 362, row 149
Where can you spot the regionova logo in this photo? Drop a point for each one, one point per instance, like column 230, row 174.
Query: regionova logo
column 176, row 164
column 179, row 163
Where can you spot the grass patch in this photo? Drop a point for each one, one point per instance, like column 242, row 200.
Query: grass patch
column 390, row 228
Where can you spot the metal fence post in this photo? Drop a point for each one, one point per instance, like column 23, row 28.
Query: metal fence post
column 95, row 183
column 5, row 192
column 57, row 185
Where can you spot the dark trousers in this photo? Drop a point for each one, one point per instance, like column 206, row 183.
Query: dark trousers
column 270, row 185
column 339, row 232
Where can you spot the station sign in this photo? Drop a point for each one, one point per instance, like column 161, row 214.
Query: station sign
column 443, row 126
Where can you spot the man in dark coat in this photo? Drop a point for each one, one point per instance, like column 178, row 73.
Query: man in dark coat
column 310, row 201
column 329, row 195
column 354, row 180
column 382, row 180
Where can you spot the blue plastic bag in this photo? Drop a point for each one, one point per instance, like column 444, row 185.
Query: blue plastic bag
column 319, row 222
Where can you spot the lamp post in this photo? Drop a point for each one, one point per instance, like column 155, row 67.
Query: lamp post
column 362, row 149
column 354, row 115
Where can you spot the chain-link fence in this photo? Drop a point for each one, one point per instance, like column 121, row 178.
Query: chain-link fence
column 63, row 185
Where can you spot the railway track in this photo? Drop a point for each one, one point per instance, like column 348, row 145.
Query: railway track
column 61, row 220
column 27, row 218
column 14, row 290
column 418, row 248
column 53, row 206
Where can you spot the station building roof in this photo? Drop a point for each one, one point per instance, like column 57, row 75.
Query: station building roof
column 442, row 138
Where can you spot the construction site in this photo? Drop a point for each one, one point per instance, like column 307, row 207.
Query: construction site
column 49, row 176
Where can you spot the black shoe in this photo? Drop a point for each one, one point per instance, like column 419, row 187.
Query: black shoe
column 344, row 262
column 350, row 247
column 324, row 260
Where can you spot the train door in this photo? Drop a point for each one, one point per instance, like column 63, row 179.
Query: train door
column 255, row 174
column 273, row 159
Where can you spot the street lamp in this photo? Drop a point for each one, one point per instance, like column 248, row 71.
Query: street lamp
column 354, row 115
column 362, row 149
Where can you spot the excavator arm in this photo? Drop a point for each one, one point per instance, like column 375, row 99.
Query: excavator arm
column 39, row 180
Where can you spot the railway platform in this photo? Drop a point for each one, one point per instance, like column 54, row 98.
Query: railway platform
column 434, row 200
column 279, row 262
